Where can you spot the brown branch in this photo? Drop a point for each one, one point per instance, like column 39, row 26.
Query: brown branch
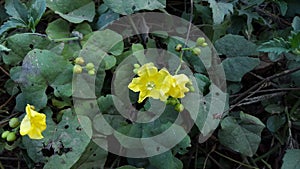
column 3, row 70
column 7, row 101
column 275, row 17
column 259, row 84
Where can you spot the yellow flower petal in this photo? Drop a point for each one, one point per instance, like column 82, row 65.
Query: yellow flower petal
column 25, row 126
column 178, row 88
column 150, row 83
column 33, row 124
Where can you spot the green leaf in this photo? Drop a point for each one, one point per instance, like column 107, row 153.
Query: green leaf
column 241, row 135
column 10, row 25
column 110, row 61
column 34, row 95
column 277, row 46
column 233, row 87
column 219, row 10
column 37, row 73
column 17, row 10
column 203, row 82
column 296, row 23
column 182, row 147
column 138, row 51
column 220, row 29
column 62, row 84
column 275, row 122
column 274, row 108
column 4, row 48
column 21, row 44
column 63, row 144
column 23, row 16
column 131, row 6
column 294, row 40
column 209, row 116
column 11, row 87
column 282, row 6
column 95, row 50
column 291, row 159
column 92, row 158
column 107, row 18
column 168, row 162
column 86, row 12
column 235, row 45
column 58, row 29
column 105, row 41
column 83, row 28
column 37, row 9
column 37, row 61
column 250, row 15
column 74, row 11
column 235, row 68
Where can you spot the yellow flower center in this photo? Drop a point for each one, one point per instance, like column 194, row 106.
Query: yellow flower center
column 150, row 85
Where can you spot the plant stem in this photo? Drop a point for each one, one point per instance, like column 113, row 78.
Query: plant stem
column 179, row 67
column 233, row 160
column 65, row 39
column 267, row 153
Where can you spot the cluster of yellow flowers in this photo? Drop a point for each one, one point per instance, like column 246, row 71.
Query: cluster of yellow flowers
column 158, row 84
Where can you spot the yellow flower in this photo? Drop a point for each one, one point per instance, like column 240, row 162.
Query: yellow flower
column 178, row 87
column 151, row 83
column 33, row 124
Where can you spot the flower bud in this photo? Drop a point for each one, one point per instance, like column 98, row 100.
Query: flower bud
column 172, row 101
column 197, row 51
column 204, row 44
column 200, row 41
column 14, row 122
column 11, row 136
column 4, row 134
column 92, row 72
column 136, row 66
column 135, row 71
column 191, row 88
column 178, row 47
column 90, row 66
column 77, row 69
column 79, row 61
column 179, row 107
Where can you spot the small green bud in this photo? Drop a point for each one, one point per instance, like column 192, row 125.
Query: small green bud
column 135, row 71
column 200, row 41
column 79, row 61
column 197, row 51
column 14, row 122
column 11, row 136
column 173, row 101
column 4, row 134
column 92, row 72
column 77, row 69
column 90, row 66
column 192, row 89
column 179, row 107
column 204, row 44
column 136, row 66
column 178, row 47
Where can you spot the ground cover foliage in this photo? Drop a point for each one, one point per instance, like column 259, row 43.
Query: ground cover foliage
column 258, row 42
